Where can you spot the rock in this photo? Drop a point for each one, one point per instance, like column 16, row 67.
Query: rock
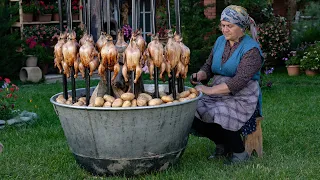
column 2, row 126
column 13, row 121
column 26, row 119
column 2, row 122
column 1, row 148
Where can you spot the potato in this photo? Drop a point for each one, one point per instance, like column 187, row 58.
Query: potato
column 155, row 101
column 126, row 104
column 193, row 90
column 108, row 98
column 145, row 96
column 141, row 102
column 98, row 102
column 83, row 99
column 90, row 105
column 127, row 96
column 184, row 94
column 167, row 99
column 61, row 100
column 134, row 103
column 176, row 101
column 169, row 102
column 79, row 103
column 192, row 96
column 183, row 99
column 60, row 96
column 107, row 104
column 117, row 102
column 69, row 99
column 68, row 102
column 161, row 94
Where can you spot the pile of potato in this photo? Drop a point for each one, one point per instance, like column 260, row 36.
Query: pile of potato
column 128, row 99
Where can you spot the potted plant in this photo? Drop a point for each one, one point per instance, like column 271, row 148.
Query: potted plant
column 28, row 9
column 310, row 62
column 45, row 12
column 75, row 9
column 55, row 11
column 292, row 64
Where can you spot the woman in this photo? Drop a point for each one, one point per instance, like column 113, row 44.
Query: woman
column 234, row 64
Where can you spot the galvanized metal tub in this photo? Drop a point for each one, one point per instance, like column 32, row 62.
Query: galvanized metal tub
column 126, row 141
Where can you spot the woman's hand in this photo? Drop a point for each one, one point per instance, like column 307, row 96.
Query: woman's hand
column 195, row 78
column 202, row 88
column 221, row 89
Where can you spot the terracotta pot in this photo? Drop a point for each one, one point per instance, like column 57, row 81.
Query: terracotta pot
column 293, row 70
column 311, row 72
column 27, row 17
column 55, row 17
column 45, row 17
column 75, row 16
column 31, row 61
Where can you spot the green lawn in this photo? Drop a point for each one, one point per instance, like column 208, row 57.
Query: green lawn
column 291, row 137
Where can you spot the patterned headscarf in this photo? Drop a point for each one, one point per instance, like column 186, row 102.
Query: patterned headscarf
column 239, row 16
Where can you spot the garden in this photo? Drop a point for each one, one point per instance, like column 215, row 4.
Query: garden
column 291, row 102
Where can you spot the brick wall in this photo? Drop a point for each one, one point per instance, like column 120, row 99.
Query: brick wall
column 210, row 12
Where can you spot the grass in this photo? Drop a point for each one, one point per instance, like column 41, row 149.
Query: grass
column 290, row 133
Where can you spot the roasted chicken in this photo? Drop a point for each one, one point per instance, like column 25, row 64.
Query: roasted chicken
column 185, row 59
column 58, row 55
column 70, row 54
column 141, row 43
column 172, row 53
column 109, row 59
column 154, row 56
column 84, row 38
column 132, row 60
column 89, row 56
column 101, row 41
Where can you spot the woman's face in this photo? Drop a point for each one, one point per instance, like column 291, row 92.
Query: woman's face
column 231, row 31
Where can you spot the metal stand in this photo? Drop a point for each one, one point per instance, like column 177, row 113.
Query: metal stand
column 87, row 86
column 73, row 86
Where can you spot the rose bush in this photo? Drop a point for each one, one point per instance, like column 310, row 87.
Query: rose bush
column 8, row 98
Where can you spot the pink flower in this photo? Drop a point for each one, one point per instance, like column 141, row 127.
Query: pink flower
column 7, row 80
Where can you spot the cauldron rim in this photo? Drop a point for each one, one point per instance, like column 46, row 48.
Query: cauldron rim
column 53, row 98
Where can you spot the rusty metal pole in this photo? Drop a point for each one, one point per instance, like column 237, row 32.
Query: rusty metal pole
column 178, row 31
column 64, row 77
column 153, row 31
column 134, row 27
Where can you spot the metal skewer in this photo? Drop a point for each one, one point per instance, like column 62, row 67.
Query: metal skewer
column 156, row 69
column 64, row 77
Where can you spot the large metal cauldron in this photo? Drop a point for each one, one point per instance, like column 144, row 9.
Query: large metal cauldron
column 126, row 141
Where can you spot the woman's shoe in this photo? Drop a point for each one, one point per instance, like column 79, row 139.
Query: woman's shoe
column 219, row 152
column 238, row 158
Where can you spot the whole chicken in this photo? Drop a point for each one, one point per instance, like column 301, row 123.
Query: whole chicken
column 70, row 54
column 154, row 54
column 185, row 59
column 58, row 55
column 131, row 58
column 141, row 43
column 121, row 45
column 101, row 41
column 84, row 38
column 88, row 55
column 172, row 53
column 109, row 59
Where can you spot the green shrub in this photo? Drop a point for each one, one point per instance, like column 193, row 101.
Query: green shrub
column 10, row 60
column 259, row 10
column 307, row 30
column 198, row 32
